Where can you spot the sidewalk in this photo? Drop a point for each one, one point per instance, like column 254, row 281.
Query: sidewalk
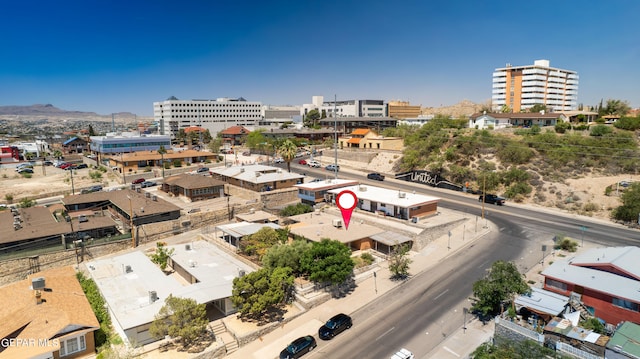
column 458, row 344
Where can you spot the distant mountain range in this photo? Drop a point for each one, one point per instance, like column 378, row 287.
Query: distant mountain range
column 50, row 110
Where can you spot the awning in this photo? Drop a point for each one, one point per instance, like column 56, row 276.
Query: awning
column 390, row 238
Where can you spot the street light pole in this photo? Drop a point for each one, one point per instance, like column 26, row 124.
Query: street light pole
column 133, row 233
column 484, row 195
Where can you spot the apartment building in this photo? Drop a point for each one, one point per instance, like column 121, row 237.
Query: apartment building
column 214, row 115
column 521, row 87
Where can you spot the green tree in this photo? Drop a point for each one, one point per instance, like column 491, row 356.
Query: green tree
column 615, row 107
column 255, row 139
column 99, row 307
column 261, row 291
column 162, row 254
column 562, row 127
column 324, row 114
column 181, row 318
column 593, row 324
column 500, row 284
column 288, row 151
column 215, row 144
column 286, row 255
column 92, row 132
column 26, row 203
column 295, row 209
column 537, row 108
column 312, row 117
column 162, row 151
column 257, row 244
column 630, row 207
column 327, row 261
column 399, row 262
column 57, row 154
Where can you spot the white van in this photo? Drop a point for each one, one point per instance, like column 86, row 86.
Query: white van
column 402, row 354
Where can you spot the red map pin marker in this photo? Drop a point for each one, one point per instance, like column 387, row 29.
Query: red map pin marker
column 346, row 201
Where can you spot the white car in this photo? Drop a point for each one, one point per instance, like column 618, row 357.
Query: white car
column 278, row 160
column 314, row 163
column 403, row 354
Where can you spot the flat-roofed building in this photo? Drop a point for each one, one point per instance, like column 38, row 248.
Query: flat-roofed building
column 315, row 192
column 127, row 142
column 134, row 288
column 195, row 187
column 393, row 203
column 257, row 178
column 214, row 115
column 521, row 87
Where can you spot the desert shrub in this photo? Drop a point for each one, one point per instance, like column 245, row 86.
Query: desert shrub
column 566, row 244
column 591, row 207
column 177, row 163
column 296, row 209
column 519, row 188
column 562, row 127
column 367, row 258
column 8, row 197
column 27, row 175
column 600, row 130
column 95, row 175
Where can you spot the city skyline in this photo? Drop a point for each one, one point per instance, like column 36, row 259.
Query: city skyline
column 121, row 56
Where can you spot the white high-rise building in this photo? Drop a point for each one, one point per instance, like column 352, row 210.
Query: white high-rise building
column 213, row 115
column 521, row 87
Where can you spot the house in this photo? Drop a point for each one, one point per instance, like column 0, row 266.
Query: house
column 47, row 316
column 143, row 160
column 505, row 120
column 135, row 288
column 233, row 233
column 624, row 343
column 234, row 135
column 359, row 236
column 74, row 145
column 605, row 280
column 562, row 332
column 193, row 186
column 398, row 204
column 257, row 178
column 541, row 303
column 31, row 228
column 368, row 139
column 316, row 192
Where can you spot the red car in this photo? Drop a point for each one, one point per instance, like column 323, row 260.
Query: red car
column 302, row 162
column 64, row 166
column 138, row 181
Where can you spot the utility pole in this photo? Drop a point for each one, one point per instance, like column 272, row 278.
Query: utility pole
column 335, row 130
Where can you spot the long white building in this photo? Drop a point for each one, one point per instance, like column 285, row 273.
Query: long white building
column 213, row 115
column 521, row 87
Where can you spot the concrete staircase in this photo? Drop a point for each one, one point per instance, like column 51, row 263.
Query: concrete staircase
column 220, row 331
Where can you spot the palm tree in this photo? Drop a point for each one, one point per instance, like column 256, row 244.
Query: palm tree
column 57, row 154
column 162, row 151
column 288, row 152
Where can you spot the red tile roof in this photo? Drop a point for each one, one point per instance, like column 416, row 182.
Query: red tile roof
column 235, row 130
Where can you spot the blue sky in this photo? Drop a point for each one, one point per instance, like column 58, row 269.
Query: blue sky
column 114, row 56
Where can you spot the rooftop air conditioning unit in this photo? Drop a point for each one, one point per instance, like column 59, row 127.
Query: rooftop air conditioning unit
column 127, row 269
column 252, row 210
column 187, row 247
column 241, row 272
column 37, row 283
column 241, row 170
column 192, row 263
column 402, row 194
column 147, row 194
column 337, row 222
column 362, row 188
column 154, row 198
column 153, row 296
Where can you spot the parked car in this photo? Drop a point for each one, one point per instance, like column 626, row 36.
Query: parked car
column 492, row 199
column 334, row 326
column 246, row 153
column 298, row 347
column 402, row 354
column 302, row 162
column 375, row 176
column 146, row 184
column 314, row 163
column 278, row 160
column 65, row 165
column 72, row 166
column 82, row 165
column 24, row 170
column 24, row 165
column 82, row 218
column 95, row 188
column 47, row 163
column 334, row 168
column 202, row 170
column 138, row 181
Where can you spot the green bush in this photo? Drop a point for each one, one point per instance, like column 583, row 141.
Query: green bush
column 177, row 163
column 565, row 244
column 367, row 258
column 600, row 130
column 562, row 127
column 296, row 209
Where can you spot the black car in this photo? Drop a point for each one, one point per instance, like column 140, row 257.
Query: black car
column 202, row 170
column 81, row 166
column 375, row 176
column 492, row 199
column 146, row 184
column 298, row 347
column 334, row 326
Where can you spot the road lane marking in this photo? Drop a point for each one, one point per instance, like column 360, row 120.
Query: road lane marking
column 441, row 294
column 385, row 333
column 451, row 351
